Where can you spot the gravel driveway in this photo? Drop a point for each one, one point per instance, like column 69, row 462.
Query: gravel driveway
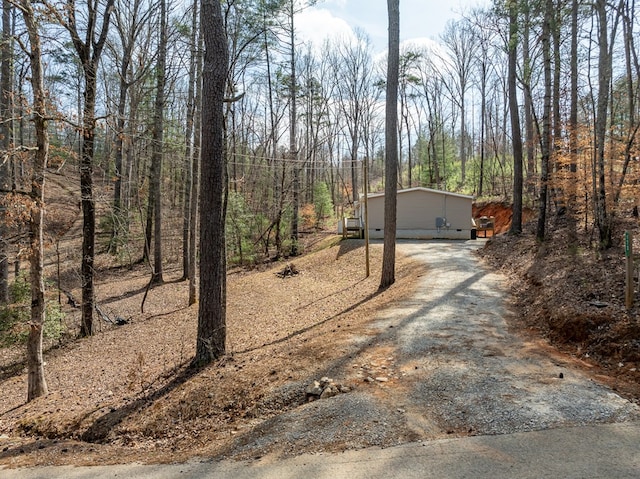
column 443, row 363
column 475, row 374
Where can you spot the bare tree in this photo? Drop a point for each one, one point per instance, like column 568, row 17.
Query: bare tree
column 212, row 307
column 129, row 20
column 272, row 121
column 187, row 227
column 603, row 222
column 480, row 19
column 195, row 167
column 573, row 127
column 353, row 68
column 632, row 73
column 432, row 87
column 516, row 136
column 459, row 38
column 391, row 148
column 154, row 208
column 94, row 28
column 407, row 80
column 293, row 125
column 37, row 385
column 545, row 139
column 558, row 194
column 528, row 104
column 6, row 133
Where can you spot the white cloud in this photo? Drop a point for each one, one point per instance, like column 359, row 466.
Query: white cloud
column 337, row 3
column 315, row 25
column 423, row 44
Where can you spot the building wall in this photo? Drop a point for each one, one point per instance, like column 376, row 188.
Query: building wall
column 418, row 209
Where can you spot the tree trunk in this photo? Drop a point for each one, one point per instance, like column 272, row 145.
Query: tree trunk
column 604, row 80
column 212, row 307
column 128, row 24
column 36, row 383
column 516, row 222
column 293, row 144
column 391, row 147
column 89, row 52
column 88, row 203
column 573, row 128
column 119, row 146
column 528, row 105
column 354, row 163
column 631, row 59
column 409, row 156
column 6, row 135
column 188, row 155
column 483, row 123
column 352, row 79
column 400, row 124
column 277, row 191
column 158, row 149
column 559, row 189
column 463, row 138
column 195, row 167
column 545, row 142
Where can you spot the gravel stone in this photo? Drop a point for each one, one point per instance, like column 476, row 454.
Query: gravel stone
column 464, row 371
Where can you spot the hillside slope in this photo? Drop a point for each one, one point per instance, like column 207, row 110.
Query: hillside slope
column 127, row 394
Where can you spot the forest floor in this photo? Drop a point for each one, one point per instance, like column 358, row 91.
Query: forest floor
column 128, row 394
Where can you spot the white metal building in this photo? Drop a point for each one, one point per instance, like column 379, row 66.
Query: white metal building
column 423, row 213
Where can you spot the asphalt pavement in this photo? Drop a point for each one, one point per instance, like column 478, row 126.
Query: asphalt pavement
column 605, row 451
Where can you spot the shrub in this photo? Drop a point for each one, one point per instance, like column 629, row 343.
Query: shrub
column 322, row 203
column 14, row 318
column 20, row 289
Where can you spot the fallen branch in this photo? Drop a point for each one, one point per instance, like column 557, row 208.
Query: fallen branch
column 288, row 271
column 71, row 300
column 105, row 317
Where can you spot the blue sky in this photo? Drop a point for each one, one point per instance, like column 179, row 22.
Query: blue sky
column 418, row 18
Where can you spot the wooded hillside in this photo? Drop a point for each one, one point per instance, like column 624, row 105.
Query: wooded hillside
column 533, row 103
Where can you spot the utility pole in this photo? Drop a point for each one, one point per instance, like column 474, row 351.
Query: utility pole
column 366, row 216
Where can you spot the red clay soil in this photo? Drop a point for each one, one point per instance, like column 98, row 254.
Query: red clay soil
column 502, row 214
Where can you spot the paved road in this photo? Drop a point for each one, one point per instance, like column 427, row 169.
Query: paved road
column 464, row 371
column 595, row 452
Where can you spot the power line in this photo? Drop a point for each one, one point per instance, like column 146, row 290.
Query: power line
column 283, row 159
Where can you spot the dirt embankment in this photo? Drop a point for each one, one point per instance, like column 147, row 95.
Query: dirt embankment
column 501, row 213
column 573, row 295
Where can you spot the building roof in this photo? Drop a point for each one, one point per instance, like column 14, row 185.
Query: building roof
column 420, row 188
